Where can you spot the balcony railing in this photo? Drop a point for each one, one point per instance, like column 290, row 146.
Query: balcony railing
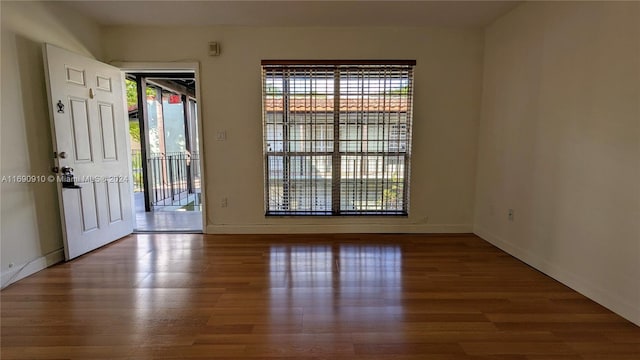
column 174, row 178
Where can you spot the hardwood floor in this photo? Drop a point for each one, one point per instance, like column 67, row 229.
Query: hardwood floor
column 305, row 297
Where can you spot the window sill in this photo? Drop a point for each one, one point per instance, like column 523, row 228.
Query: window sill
column 330, row 214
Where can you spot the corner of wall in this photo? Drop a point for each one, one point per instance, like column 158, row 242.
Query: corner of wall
column 31, row 230
column 29, row 268
column 585, row 286
column 541, row 137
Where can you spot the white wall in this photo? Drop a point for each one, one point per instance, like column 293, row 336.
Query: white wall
column 30, row 235
column 559, row 142
column 447, row 103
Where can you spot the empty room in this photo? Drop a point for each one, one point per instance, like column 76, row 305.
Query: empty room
column 320, row 180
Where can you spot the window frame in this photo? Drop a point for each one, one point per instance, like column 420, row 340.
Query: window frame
column 337, row 153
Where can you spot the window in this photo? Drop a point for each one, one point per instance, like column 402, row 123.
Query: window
column 337, row 137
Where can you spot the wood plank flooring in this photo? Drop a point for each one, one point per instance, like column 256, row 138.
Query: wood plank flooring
column 305, row 297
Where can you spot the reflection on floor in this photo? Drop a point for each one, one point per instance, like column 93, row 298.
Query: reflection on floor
column 303, row 297
column 182, row 221
column 177, row 220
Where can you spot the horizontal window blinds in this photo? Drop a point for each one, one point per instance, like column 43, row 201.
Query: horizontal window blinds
column 337, row 137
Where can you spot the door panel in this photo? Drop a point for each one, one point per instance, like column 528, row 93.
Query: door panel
column 88, row 207
column 103, row 83
column 115, row 205
column 90, row 126
column 80, row 126
column 75, row 76
column 107, row 127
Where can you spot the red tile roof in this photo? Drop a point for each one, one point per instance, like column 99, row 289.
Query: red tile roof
column 325, row 104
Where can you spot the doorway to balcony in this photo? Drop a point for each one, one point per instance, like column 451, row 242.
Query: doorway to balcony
column 165, row 156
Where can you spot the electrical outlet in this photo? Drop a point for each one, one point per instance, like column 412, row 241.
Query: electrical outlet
column 221, row 135
column 223, row 202
column 511, row 215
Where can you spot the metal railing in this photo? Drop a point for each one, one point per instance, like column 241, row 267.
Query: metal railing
column 174, row 178
column 136, row 165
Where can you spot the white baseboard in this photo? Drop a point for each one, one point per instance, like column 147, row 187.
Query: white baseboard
column 19, row 272
column 338, row 228
column 595, row 292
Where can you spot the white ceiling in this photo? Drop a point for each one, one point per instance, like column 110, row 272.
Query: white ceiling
column 294, row 13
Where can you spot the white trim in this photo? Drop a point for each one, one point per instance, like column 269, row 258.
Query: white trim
column 125, row 115
column 595, row 292
column 170, row 67
column 167, row 67
column 338, row 228
column 29, row 268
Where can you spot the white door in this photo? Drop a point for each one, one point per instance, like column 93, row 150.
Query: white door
column 90, row 135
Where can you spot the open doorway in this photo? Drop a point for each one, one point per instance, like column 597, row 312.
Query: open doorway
column 165, row 155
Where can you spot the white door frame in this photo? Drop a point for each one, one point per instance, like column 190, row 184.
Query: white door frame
column 172, row 67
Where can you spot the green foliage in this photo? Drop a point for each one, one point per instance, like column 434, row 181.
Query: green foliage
column 136, row 160
column 272, row 90
column 390, row 196
column 402, row 91
column 136, row 165
column 134, row 131
column 137, row 182
column 132, row 92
